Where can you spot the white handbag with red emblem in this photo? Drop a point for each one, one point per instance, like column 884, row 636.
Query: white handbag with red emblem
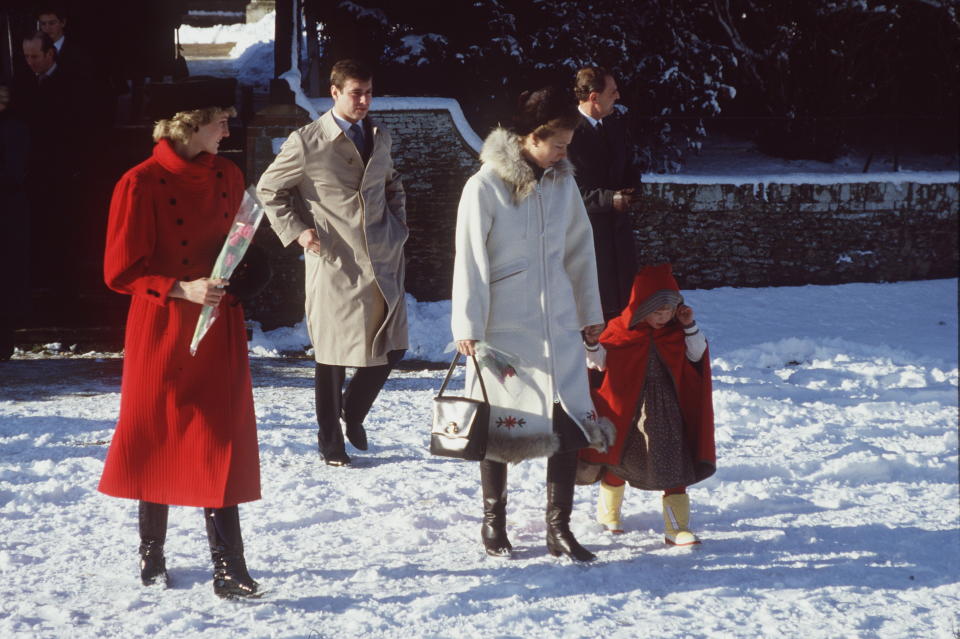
column 460, row 424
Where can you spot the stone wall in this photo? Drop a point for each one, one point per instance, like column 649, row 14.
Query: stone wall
column 768, row 234
column 777, row 234
column 435, row 163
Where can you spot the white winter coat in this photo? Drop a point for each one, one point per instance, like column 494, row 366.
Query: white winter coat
column 525, row 281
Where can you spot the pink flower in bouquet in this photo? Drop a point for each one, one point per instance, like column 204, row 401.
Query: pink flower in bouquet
column 246, row 230
column 238, row 240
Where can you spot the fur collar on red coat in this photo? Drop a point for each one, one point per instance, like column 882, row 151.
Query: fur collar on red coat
column 627, row 350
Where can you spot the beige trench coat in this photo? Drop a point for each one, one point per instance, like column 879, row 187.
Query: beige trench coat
column 354, row 289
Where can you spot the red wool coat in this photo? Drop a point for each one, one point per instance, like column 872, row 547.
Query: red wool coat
column 187, row 432
column 627, row 349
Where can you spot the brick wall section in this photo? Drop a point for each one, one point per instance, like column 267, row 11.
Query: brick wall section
column 714, row 234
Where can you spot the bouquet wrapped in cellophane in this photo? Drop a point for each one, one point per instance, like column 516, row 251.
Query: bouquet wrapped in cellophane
column 241, row 234
column 506, row 368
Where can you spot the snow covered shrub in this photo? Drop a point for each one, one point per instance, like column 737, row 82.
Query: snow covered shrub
column 485, row 52
column 815, row 72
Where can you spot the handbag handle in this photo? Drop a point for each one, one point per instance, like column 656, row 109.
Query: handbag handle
column 453, row 364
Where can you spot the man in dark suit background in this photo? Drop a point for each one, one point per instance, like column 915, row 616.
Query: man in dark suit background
column 45, row 93
column 71, row 56
column 603, row 155
column 48, row 102
column 52, row 22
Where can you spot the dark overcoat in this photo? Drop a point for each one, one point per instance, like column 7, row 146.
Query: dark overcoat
column 604, row 164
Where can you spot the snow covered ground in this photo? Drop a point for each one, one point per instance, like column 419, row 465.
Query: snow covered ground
column 834, row 511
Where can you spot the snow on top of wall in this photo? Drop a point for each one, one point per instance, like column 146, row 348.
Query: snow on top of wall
column 321, row 105
column 758, row 176
column 725, row 159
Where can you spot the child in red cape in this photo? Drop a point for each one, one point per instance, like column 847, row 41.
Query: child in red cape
column 657, row 392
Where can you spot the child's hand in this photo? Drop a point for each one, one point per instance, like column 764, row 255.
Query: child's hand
column 685, row 315
column 591, row 334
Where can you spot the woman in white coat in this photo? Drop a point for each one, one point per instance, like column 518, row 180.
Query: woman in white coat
column 525, row 282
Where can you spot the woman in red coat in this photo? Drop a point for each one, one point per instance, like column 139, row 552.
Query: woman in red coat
column 187, row 433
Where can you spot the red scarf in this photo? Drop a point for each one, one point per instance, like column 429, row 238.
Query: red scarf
column 627, row 350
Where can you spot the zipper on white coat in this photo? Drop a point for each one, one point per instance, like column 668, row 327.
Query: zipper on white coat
column 546, row 291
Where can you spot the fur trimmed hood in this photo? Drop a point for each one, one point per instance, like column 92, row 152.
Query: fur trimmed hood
column 502, row 153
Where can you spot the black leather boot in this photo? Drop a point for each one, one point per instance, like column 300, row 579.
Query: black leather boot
column 230, row 577
column 153, row 534
column 561, row 475
column 493, row 531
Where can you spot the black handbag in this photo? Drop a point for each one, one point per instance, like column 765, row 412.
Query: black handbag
column 460, row 424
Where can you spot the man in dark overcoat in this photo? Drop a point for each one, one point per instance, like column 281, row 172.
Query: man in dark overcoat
column 48, row 102
column 602, row 153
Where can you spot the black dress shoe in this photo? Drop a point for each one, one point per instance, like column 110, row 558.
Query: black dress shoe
column 339, row 458
column 357, row 436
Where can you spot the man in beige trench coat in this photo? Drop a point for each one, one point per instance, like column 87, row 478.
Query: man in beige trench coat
column 334, row 191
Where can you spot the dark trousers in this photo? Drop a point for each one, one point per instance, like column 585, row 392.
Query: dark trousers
column 353, row 403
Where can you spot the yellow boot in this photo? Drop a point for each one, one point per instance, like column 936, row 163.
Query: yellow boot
column 608, row 506
column 676, row 518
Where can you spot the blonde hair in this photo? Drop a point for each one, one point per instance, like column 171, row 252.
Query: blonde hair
column 182, row 126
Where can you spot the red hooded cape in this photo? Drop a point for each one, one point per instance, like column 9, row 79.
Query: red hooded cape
column 627, row 349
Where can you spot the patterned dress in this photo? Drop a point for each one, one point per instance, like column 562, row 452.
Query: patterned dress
column 656, row 455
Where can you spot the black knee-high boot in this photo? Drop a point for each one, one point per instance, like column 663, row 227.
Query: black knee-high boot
column 561, row 476
column 493, row 482
column 153, row 534
column 230, row 577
